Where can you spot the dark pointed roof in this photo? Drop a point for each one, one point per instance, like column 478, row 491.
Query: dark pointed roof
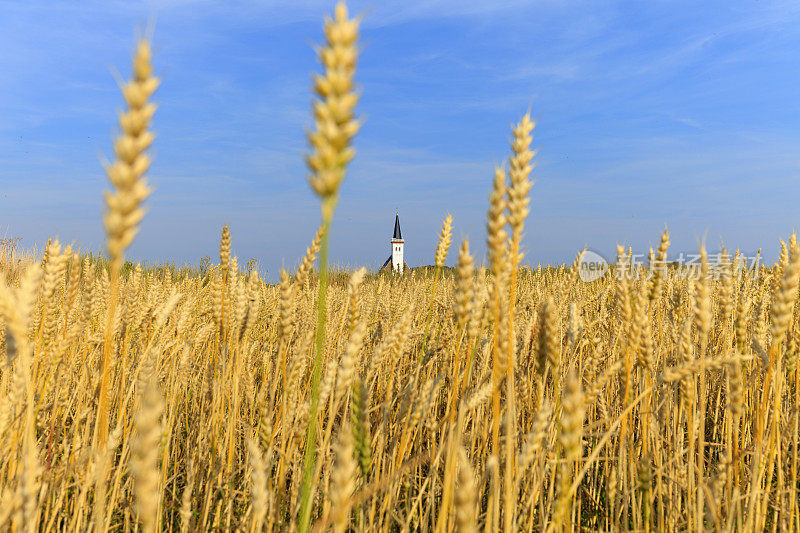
column 397, row 234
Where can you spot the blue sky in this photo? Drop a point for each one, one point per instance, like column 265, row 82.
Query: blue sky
column 649, row 113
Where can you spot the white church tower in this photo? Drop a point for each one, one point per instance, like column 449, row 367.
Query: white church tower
column 397, row 247
column 397, row 242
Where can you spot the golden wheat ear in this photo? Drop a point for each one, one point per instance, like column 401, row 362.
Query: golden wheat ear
column 145, row 452
column 334, row 112
column 126, row 174
column 445, row 237
column 520, row 166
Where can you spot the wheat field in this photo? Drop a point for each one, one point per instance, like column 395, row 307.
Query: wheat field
column 481, row 397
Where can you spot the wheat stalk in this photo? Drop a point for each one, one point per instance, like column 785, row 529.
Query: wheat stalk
column 123, row 206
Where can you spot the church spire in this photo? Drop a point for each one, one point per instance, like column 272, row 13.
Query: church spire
column 397, row 234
